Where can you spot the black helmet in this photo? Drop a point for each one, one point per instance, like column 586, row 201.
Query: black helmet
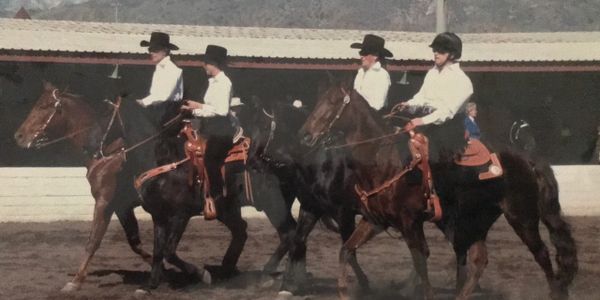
column 448, row 42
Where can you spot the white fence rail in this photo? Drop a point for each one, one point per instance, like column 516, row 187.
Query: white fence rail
column 51, row 194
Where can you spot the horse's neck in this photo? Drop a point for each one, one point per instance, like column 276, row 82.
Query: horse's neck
column 85, row 120
column 378, row 160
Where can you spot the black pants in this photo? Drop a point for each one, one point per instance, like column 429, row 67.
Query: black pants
column 218, row 133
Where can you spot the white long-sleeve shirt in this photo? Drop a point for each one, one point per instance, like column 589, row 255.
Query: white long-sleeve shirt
column 373, row 84
column 446, row 91
column 217, row 97
column 167, row 83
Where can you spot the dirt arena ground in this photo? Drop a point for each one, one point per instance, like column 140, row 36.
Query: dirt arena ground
column 37, row 259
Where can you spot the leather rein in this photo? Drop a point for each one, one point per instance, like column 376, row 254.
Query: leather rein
column 338, row 115
column 116, row 114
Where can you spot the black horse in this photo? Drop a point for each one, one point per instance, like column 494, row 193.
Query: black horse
column 526, row 195
column 322, row 180
column 172, row 201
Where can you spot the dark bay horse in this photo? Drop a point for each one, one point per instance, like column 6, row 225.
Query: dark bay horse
column 525, row 195
column 172, row 202
column 58, row 114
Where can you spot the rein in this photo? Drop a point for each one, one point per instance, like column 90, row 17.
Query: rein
column 165, row 126
column 367, row 141
column 116, row 107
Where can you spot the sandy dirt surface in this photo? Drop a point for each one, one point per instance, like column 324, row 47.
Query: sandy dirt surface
column 37, row 259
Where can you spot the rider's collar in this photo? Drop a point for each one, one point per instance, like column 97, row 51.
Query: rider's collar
column 451, row 66
column 376, row 66
column 163, row 62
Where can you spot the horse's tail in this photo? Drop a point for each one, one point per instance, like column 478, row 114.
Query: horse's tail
column 560, row 230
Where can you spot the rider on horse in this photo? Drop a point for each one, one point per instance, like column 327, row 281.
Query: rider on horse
column 167, row 80
column 445, row 90
column 372, row 80
column 471, row 128
column 213, row 114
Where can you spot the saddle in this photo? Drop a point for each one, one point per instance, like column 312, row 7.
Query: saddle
column 195, row 148
column 477, row 155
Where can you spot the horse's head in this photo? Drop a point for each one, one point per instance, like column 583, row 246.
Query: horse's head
column 334, row 110
column 272, row 127
column 522, row 136
column 47, row 118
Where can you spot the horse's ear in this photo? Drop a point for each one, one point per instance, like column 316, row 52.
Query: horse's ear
column 47, row 85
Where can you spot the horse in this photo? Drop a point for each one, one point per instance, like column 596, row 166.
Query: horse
column 172, row 202
column 58, row 115
column 61, row 116
column 323, row 185
column 525, row 195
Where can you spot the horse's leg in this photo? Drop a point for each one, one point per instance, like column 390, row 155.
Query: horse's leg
column 417, row 244
column 528, row 231
column 130, row 226
column 177, row 225
column 100, row 221
column 347, row 226
column 477, row 260
column 461, row 269
column 295, row 274
column 280, row 216
column 231, row 216
column 160, row 236
column 363, row 233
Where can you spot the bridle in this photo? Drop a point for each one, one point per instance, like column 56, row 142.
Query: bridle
column 340, row 110
column 515, row 130
column 42, row 129
column 273, row 126
column 338, row 114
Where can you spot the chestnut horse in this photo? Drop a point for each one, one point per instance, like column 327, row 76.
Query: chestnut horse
column 525, row 195
column 61, row 116
column 58, row 115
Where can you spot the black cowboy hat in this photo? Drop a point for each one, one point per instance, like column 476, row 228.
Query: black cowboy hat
column 158, row 41
column 372, row 44
column 215, row 55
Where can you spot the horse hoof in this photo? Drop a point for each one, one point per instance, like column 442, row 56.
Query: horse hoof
column 140, row 293
column 206, row 277
column 284, row 295
column 70, row 287
column 267, row 283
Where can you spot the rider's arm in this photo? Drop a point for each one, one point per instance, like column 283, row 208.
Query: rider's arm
column 419, row 98
column 216, row 100
column 164, row 82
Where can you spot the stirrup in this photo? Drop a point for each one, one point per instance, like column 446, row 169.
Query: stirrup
column 210, row 210
column 494, row 169
column 433, row 212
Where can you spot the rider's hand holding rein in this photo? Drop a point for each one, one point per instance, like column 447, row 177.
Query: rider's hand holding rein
column 190, row 105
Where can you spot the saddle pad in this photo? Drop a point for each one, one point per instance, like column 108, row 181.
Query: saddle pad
column 476, row 154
